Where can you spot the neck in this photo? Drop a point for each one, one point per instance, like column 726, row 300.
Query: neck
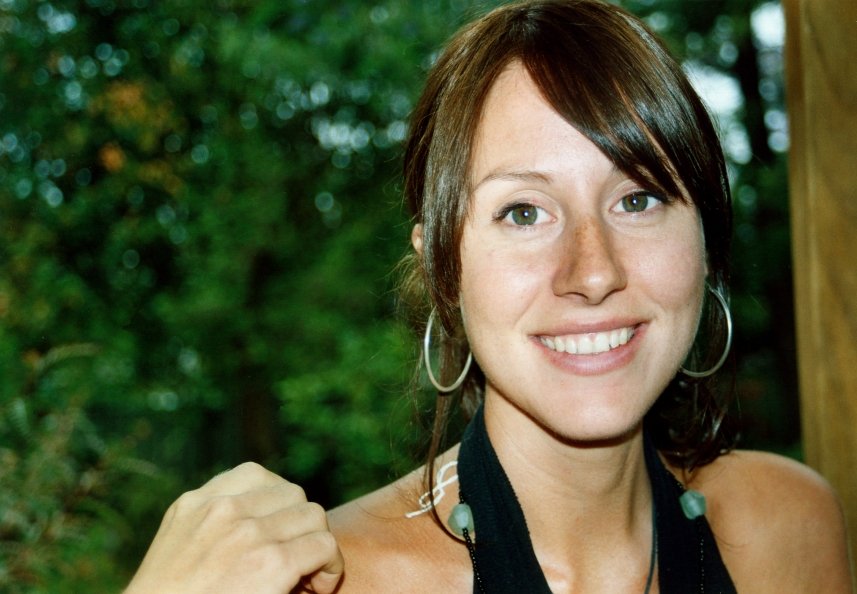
column 584, row 502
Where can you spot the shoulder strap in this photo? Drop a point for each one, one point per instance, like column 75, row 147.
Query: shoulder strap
column 689, row 561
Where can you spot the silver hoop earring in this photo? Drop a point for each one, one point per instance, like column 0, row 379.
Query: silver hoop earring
column 712, row 370
column 426, row 344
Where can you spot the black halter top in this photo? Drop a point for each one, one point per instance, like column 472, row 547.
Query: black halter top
column 688, row 559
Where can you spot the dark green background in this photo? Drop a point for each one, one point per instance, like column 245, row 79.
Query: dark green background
column 199, row 220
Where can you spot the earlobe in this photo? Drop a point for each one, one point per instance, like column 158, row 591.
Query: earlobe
column 417, row 238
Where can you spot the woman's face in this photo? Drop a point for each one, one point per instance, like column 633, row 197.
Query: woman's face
column 580, row 289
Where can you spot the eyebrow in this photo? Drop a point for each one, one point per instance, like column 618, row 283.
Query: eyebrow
column 527, row 176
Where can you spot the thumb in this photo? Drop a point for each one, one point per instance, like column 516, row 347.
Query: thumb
column 326, row 580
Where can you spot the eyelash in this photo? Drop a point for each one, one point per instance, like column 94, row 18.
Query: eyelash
column 504, row 212
column 643, row 194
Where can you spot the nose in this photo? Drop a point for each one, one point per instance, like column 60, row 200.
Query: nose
column 590, row 266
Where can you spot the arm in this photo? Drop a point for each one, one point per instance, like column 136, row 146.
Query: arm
column 246, row 530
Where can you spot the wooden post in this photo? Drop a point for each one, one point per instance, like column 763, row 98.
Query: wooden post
column 821, row 85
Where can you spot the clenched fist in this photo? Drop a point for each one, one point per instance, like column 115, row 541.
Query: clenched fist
column 246, row 530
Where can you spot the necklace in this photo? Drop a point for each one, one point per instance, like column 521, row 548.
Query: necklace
column 503, row 558
column 461, row 523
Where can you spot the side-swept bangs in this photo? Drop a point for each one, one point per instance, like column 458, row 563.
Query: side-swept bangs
column 616, row 83
column 608, row 76
column 605, row 74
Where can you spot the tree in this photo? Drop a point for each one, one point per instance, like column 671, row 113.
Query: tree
column 205, row 195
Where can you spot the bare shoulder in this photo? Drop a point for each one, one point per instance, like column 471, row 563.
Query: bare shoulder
column 778, row 523
column 389, row 547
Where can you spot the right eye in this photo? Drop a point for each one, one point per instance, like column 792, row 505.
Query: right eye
column 522, row 214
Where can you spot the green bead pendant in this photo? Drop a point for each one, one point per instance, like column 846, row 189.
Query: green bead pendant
column 461, row 518
column 692, row 504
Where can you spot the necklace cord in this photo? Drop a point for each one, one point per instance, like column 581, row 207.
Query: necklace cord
column 503, row 560
column 471, row 549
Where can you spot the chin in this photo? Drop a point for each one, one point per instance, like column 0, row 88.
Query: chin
column 593, row 427
column 598, row 436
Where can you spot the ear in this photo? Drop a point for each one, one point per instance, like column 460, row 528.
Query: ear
column 417, row 238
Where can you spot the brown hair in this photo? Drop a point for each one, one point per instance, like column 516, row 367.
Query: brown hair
column 607, row 75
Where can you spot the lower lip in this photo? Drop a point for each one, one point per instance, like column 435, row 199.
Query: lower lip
column 596, row 364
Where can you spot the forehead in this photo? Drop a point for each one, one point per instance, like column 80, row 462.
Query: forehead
column 519, row 132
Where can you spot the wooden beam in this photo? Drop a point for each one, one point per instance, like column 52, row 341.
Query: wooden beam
column 821, row 86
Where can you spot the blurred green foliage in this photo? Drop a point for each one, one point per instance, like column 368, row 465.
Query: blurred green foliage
column 199, row 215
column 63, row 516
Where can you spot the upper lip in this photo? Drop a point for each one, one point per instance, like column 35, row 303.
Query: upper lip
column 583, row 328
column 593, row 342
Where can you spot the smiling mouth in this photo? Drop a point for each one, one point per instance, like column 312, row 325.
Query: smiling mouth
column 591, row 343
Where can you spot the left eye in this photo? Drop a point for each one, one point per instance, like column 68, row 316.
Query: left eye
column 639, row 202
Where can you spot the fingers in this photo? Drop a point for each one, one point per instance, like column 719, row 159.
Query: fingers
column 309, row 545
column 246, row 490
column 244, row 530
column 263, row 501
column 318, row 558
column 247, row 476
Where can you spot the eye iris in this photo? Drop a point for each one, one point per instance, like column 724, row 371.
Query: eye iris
column 524, row 215
column 635, row 203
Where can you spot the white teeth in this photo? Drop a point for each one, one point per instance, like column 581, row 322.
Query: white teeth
column 614, row 339
column 588, row 344
column 619, row 337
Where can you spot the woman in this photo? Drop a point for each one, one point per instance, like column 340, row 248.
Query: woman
column 572, row 224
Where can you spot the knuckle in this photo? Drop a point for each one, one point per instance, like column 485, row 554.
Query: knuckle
column 251, row 471
column 185, row 502
column 256, row 474
column 248, row 530
column 222, row 508
column 326, row 543
column 294, row 492
column 272, row 557
column 316, row 514
column 250, row 467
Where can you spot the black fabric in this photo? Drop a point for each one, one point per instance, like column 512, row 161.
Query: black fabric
column 688, row 559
